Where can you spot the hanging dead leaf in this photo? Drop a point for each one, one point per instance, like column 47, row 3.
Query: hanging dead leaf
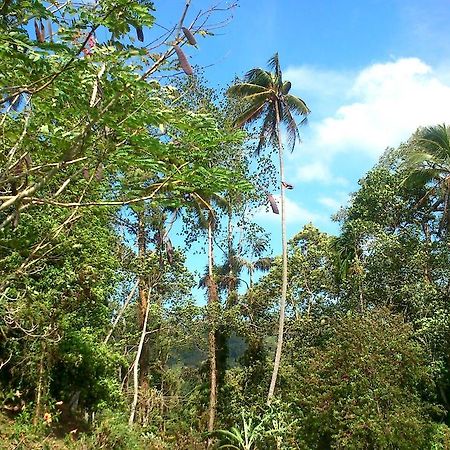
column 27, row 159
column 273, row 204
column 39, row 34
column 42, row 30
column 94, row 93
column 157, row 238
column 189, row 36
column 184, row 63
column 140, row 34
column 99, row 172
column 50, row 30
column 169, row 251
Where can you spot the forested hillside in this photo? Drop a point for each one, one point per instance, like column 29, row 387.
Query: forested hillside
column 117, row 163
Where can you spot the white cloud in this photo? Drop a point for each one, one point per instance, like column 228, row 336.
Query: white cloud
column 335, row 202
column 316, row 81
column 363, row 113
column 389, row 101
column 367, row 111
column 318, row 171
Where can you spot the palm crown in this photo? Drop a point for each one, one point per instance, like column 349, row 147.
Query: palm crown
column 429, row 153
column 427, row 159
column 265, row 95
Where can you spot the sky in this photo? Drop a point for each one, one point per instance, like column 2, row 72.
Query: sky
column 371, row 71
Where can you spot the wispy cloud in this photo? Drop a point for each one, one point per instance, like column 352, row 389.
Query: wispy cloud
column 335, row 202
column 295, row 214
column 318, row 171
column 313, row 80
column 322, row 89
column 367, row 111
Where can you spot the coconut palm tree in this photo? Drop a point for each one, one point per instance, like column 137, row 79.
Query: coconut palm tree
column 265, row 96
column 427, row 161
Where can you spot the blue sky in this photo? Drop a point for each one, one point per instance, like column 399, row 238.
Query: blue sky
column 370, row 71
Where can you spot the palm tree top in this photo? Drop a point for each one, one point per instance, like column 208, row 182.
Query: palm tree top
column 426, row 159
column 264, row 94
column 428, row 152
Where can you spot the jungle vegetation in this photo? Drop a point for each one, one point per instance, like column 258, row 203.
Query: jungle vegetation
column 117, row 160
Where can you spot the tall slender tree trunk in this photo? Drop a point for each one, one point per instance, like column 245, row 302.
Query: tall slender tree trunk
column 276, row 364
column 212, row 346
column 222, row 330
column 143, row 300
column 136, row 363
column 120, row 313
column 39, row 388
column 142, row 245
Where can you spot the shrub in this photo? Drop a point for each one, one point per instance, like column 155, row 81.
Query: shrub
column 361, row 387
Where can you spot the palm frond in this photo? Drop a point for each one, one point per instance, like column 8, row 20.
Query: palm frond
column 286, row 87
column 435, row 140
column 416, row 158
column 268, row 134
column 262, row 92
column 420, row 177
column 252, row 111
column 260, row 77
column 245, row 90
column 264, row 264
column 296, row 105
column 291, row 127
column 274, row 64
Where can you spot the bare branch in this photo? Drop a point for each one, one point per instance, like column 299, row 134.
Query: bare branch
column 3, row 363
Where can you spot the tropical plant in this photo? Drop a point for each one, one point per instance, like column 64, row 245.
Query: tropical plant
column 265, row 96
column 427, row 158
column 245, row 439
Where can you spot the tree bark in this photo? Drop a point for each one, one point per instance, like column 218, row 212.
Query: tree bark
column 143, row 299
column 120, row 313
column 136, row 363
column 212, row 302
column 40, row 388
column 276, row 364
column 142, row 245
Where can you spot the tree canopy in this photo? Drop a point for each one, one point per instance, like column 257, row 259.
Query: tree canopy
column 119, row 163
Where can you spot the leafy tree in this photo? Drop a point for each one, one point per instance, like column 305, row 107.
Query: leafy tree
column 361, row 385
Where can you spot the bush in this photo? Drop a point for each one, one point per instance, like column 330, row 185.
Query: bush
column 112, row 432
column 361, row 387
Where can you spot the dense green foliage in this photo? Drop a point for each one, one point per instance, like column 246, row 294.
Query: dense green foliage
column 110, row 153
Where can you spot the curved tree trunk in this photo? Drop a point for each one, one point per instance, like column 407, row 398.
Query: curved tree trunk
column 276, row 364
